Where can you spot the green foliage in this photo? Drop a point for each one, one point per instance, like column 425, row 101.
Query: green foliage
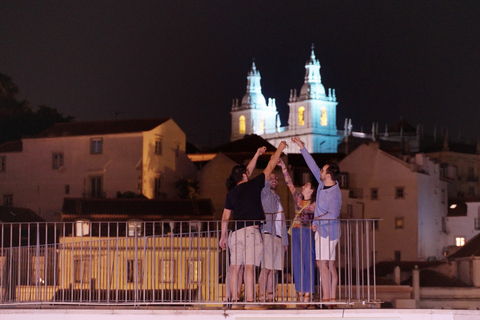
column 17, row 119
column 187, row 188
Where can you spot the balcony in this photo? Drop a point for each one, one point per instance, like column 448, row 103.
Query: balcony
column 166, row 263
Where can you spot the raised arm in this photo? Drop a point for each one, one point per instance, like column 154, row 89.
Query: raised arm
column 273, row 160
column 288, row 180
column 309, row 160
column 253, row 163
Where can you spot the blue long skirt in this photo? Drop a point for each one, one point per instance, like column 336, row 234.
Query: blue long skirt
column 303, row 258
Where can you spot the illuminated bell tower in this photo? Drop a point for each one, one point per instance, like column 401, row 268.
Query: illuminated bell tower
column 253, row 115
column 312, row 114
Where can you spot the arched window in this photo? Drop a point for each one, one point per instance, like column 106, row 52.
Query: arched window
column 323, row 118
column 301, row 116
column 241, row 125
column 262, row 124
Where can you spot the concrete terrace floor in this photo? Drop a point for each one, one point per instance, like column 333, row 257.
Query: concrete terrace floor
column 155, row 313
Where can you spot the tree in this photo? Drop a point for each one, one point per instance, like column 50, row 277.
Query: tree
column 17, row 119
column 187, row 188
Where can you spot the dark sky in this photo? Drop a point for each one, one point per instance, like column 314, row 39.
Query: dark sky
column 189, row 59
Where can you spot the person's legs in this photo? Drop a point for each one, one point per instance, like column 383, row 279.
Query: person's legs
column 297, row 260
column 334, row 278
column 308, row 260
column 265, row 286
column 235, row 285
column 249, row 283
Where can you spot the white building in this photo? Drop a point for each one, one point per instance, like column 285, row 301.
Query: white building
column 312, row 115
column 93, row 159
column 409, row 195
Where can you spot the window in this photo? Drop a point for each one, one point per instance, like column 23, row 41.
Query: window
column 67, row 189
column 343, row 180
column 96, row 146
column 443, row 196
column 397, row 255
column 81, row 270
column 96, row 187
column 157, row 187
column 349, row 211
column 135, row 228
column 399, row 193
column 374, row 194
column 134, row 271
column 471, row 191
column 323, row 118
column 194, row 271
column 471, row 174
column 166, row 271
column 177, row 151
column 399, row 223
column 262, row 124
column 3, row 163
column 158, row 147
column 301, row 116
column 459, row 241
column 241, row 125
column 305, row 177
column 8, row 200
column 375, row 223
column 57, row 160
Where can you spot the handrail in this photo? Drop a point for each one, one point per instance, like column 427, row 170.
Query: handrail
column 156, row 263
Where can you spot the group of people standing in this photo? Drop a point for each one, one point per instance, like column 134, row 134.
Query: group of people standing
column 259, row 236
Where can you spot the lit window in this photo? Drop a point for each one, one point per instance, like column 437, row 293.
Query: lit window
column 399, row 223
column 262, row 124
column 8, row 200
column 158, row 147
column 324, row 118
column 57, row 160
column 399, row 193
column 96, row 145
column 374, row 195
column 459, row 241
column 135, row 228
column 301, row 116
column 194, row 271
column 166, row 271
column 241, row 125
column 3, row 163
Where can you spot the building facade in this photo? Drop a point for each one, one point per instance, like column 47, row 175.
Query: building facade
column 94, row 160
column 409, row 195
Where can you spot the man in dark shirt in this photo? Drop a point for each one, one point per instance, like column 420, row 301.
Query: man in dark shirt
column 244, row 200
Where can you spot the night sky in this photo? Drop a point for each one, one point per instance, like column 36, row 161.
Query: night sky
column 99, row 60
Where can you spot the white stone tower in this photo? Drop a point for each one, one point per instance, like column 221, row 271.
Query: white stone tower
column 253, row 115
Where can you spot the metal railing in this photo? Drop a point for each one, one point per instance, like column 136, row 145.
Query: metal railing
column 156, row 263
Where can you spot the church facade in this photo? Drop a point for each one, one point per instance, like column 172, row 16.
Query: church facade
column 312, row 115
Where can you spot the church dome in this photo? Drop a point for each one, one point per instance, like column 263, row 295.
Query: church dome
column 313, row 90
column 256, row 100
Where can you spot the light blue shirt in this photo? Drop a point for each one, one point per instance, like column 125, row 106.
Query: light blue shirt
column 328, row 203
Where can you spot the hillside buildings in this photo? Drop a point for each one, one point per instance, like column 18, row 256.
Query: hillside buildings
column 94, row 160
